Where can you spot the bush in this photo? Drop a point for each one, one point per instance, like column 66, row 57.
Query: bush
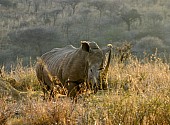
column 36, row 40
column 149, row 45
column 32, row 42
column 7, row 3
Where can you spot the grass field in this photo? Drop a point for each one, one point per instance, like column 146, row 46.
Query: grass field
column 139, row 94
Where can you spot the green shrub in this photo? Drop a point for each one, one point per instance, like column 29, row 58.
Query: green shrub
column 149, row 45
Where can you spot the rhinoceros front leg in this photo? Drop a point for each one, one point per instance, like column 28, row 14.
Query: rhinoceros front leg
column 72, row 89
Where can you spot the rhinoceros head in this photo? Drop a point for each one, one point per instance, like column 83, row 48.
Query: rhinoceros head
column 96, row 58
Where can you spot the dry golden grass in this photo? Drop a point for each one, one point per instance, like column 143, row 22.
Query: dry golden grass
column 139, row 94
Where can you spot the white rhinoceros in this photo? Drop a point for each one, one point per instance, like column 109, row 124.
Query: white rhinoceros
column 73, row 66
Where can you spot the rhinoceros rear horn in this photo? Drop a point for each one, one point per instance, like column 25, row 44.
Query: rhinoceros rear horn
column 85, row 46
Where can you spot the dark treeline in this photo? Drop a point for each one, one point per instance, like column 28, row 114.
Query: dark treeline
column 28, row 28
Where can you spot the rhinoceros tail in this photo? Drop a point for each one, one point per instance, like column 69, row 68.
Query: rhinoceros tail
column 43, row 76
column 39, row 70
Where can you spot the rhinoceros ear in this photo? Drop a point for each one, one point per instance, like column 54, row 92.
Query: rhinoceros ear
column 85, row 46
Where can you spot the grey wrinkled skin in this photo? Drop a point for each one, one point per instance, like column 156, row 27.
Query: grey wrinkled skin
column 102, row 73
column 70, row 67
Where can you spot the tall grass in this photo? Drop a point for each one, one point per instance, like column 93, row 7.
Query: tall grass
column 139, row 94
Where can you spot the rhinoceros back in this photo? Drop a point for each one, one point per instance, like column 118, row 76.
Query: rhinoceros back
column 53, row 60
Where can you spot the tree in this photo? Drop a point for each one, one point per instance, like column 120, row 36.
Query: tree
column 99, row 5
column 85, row 19
column 36, row 6
column 63, row 4
column 114, row 7
column 54, row 14
column 35, row 41
column 66, row 26
column 45, row 2
column 154, row 17
column 130, row 16
column 8, row 3
column 73, row 4
column 29, row 5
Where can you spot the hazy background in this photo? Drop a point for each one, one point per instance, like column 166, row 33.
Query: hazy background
column 28, row 28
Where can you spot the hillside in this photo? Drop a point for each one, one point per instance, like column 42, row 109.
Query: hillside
column 30, row 28
column 139, row 75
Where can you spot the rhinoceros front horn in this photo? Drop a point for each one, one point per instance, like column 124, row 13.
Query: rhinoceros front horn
column 106, row 64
